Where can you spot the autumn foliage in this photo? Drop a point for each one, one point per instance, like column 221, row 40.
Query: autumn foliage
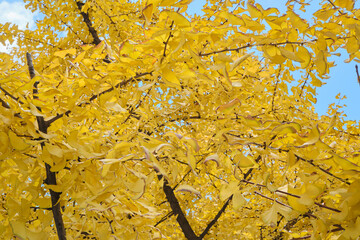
column 134, row 120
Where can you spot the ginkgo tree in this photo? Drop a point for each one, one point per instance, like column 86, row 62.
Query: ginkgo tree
column 134, row 120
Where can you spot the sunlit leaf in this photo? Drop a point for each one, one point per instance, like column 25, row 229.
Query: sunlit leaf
column 17, row 143
column 187, row 188
column 214, row 157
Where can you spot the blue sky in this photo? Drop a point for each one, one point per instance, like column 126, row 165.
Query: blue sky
column 342, row 77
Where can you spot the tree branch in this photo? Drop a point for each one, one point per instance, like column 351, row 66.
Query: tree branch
column 175, row 206
column 121, row 84
column 285, row 205
column 4, row 104
column 261, row 45
column 218, row 215
column 50, row 176
column 167, row 40
column 10, row 95
column 88, row 23
column 164, row 218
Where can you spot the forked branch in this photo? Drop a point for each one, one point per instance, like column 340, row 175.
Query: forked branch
column 180, row 216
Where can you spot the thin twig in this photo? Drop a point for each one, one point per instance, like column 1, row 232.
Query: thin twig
column 63, row 22
column 329, row 208
column 335, row 7
column 167, row 40
column 4, row 104
column 306, row 79
column 261, row 45
column 10, row 95
column 121, row 84
column 218, row 215
column 164, row 218
column 285, row 205
column 275, row 89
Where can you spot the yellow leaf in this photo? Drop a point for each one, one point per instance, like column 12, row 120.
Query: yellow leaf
column 58, row 164
column 324, row 14
column 244, row 161
column 228, row 189
column 239, row 60
column 320, row 63
column 233, row 19
column 29, row 85
column 238, row 200
column 274, row 54
column 352, row 45
column 297, row 21
column 63, row 53
column 290, row 55
column 251, row 122
column 294, row 202
column 54, row 150
column 19, row 229
column 192, row 142
column 254, row 12
column 214, row 157
column 292, row 160
column 348, row 4
column 79, row 57
column 313, row 137
column 269, row 217
column 304, row 54
column 155, row 163
column 17, row 142
column 35, row 111
column 43, row 202
column 287, row 127
column 148, row 11
column 4, row 140
column 55, row 188
column 344, row 163
column 139, row 188
column 170, row 76
column 179, row 19
column 191, row 161
column 119, row 150
column 187, row 188
column 229, row 107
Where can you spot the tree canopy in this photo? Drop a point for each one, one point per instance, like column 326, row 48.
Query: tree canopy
column 134, row 120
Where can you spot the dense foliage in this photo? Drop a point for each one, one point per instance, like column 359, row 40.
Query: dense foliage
column 134, row 120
